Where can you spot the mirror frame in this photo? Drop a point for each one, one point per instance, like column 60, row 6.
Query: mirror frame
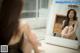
column 53, row 40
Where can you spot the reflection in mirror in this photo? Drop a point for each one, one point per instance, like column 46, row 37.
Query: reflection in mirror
column 65, row 26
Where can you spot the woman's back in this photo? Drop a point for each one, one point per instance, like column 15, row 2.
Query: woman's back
column 17, row 47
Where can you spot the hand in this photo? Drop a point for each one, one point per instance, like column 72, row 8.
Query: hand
column 37, row 51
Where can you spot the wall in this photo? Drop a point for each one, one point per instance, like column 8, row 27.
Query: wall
column 35, row 23
column 39, row 22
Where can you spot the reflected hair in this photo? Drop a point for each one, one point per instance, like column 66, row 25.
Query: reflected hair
column 68, row 19
column 75, row 14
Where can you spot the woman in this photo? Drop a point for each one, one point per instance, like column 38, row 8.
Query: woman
column 70, row 25
column 16, row 35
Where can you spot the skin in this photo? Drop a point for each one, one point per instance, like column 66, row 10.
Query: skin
column 30, row 40
column 68, row 31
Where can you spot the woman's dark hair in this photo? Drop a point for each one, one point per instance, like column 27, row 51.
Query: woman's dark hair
column 68, row 19
column 75, row 14
column 9, row 19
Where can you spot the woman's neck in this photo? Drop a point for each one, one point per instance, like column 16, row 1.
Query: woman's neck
column 71, row 19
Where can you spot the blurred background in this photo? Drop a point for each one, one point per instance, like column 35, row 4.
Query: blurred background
column 36, row 12
column 40, row 15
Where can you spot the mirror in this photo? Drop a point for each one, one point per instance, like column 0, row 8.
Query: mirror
column 65, row 29
column 66, row 21
column 63, row 25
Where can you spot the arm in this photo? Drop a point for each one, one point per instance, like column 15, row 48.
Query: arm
column 64, row 31
column 74, row 30
column 31, row 37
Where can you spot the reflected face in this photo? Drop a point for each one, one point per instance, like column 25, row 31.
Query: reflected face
column 71, row 14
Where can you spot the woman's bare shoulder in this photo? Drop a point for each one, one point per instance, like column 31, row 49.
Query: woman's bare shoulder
column 24, row 26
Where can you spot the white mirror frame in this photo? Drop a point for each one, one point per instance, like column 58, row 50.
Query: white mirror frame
column 56, row 40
